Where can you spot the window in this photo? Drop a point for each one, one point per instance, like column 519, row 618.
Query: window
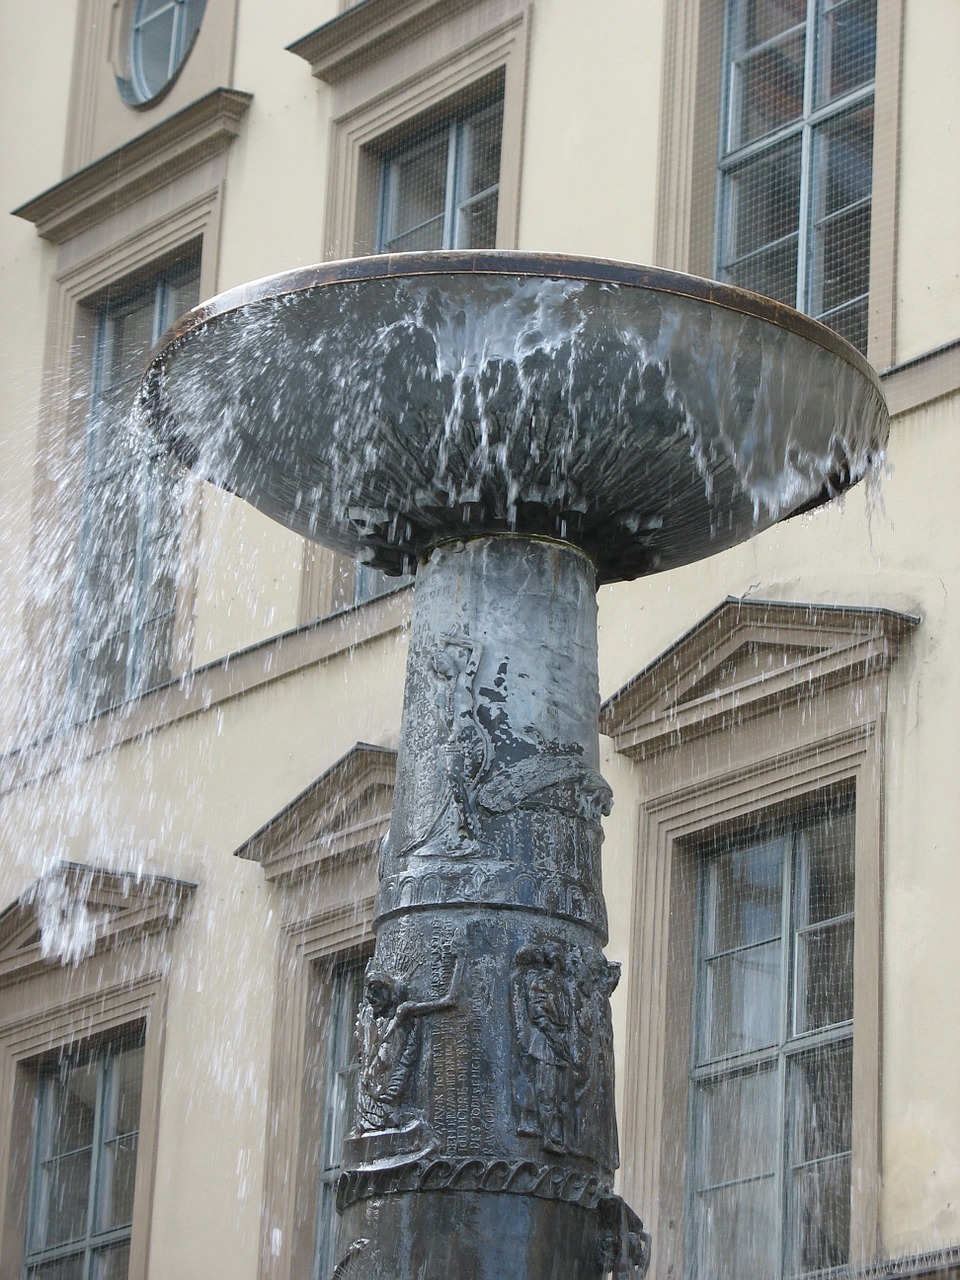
column 339, row 1098
column 771, row 1081
column 129, row 543
column 321, row 852
column 86, row 1128
column 796, row 148
column 750, row 737
column 161, row 36
column 439, row 189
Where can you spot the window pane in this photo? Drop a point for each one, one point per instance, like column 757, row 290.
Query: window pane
column 846, row 48
column 757, row 21
column 416, row 190
column 773, row 273
column 153, row 45
column 734, row 1239
column 743, row 1001
column 130, row 336
column 768, row 89
column 65, row 1197
column 739, row 1132
column 821, row 1090
column 69, row 1105
column 119, row 1156
column 146, row 8
column 156, row 644
column 841, row 259
column 184, row 293
column 112, row 1264
column 843, row 154
column 851, row 323
column 820, row 1208
column 827, row 853
column 477, row 223
column 479, row 159
column 118, row 1169
column 825, row 976
column 746, row 890
column 762, row 201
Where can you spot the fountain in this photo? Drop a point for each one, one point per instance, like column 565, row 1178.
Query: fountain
column 516, row 429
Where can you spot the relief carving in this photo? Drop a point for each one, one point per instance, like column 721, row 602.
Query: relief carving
column 563, row 1032
column 490, row 769
column 543, row 1023
column 389, row 1037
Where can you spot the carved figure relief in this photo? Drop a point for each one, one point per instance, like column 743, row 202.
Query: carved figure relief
column 563, row 1083
column 389, row 1039
column 543, row 1020
column 489, row 768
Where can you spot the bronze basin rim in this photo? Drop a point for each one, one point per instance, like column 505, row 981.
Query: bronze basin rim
column 517, row 263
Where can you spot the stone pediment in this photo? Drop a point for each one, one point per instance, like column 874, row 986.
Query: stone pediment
column 75, row 911
column 139, row 167
column 341, row 816
column 743, row 659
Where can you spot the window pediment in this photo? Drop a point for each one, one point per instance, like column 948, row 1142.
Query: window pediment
column 342, row 816
column 743, row 659
column 74, row 911
column 139, row 167
column 370, row 30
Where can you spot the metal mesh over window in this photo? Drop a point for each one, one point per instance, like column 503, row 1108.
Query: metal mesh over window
column 86, row 1133
column 796, row 150
column 771, row 1084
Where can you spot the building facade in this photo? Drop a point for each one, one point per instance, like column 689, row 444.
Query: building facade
column 200, row 711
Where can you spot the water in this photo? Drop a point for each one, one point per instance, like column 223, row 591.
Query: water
column 379, row 416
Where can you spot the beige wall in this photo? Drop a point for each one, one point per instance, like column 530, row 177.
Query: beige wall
column 590, row 142
column 34, row 92
column 928, row 292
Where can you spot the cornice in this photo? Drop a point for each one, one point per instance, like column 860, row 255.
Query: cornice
column 141, row 166
column 342, row 816
column 367, row 31
column 75, row 911
column 744, row 659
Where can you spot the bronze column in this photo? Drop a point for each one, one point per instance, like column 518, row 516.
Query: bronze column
column 485, row 1139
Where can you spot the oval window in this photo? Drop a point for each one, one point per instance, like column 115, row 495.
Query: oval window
column 161, row 35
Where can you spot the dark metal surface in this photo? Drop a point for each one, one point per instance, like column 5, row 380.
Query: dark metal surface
column 485, row 1141
column 384, row 405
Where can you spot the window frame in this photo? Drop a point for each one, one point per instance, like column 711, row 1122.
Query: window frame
column 132, row 82
column 104, row 1053
column 732, row 157
column 792, row 1043
column 691, row 119
column 51, row 1006
column 799, row 706
column 103, row 258
column 159, row 280
column 321, row 852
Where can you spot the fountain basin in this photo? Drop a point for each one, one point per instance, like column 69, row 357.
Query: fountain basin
column 383, row 406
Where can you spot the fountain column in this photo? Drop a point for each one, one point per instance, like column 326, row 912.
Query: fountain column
column 485, row 1139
